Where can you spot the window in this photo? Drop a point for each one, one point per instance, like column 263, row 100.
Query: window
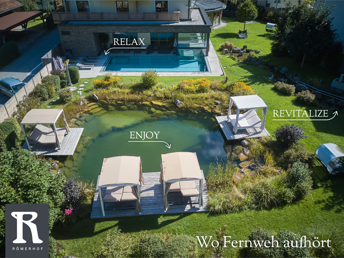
column 162, row 39
column 5, row 86
column 122, row 6
column 63, row 32
column 161, row 6
column 83, row 6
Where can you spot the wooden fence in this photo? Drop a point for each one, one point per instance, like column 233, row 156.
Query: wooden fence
column 11, row 105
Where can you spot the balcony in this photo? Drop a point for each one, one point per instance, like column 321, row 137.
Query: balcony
column 60, row 15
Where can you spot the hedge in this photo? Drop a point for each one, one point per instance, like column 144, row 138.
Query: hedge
column 8, row 53
column 8, row 135
column 16, row 125
column 74, row 74
column 54, row 80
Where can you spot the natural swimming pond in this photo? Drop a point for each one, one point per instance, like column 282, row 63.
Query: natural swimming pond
column 108, row 135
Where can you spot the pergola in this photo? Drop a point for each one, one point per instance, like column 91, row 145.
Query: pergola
column 332, row 157
column 179, row 171
column 122, row 178
column 42, row 134
column 15, row 19
column 249, row 119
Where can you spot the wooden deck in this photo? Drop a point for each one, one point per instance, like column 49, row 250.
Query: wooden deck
column 227, row 129
column 152, row 202
column 68, row 145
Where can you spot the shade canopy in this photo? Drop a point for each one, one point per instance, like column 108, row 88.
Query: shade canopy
column 180, row 165
column 270, row 25
column 330, row 154
column 42, row 116
column 248, row 102
column 120, row 170
column 15, row 19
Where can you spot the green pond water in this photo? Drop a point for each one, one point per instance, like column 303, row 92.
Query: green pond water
column 108, row 135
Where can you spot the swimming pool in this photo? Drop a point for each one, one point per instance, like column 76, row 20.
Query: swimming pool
column 159, row 63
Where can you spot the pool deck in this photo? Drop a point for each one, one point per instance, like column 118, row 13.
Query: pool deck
column 215, row 68
column 227, row 129
column 68, row 145
column 152, row 202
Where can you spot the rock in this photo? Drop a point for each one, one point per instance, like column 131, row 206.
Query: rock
column 178, row 102
column 246, row 151
column 226, row 51
column 236, row 50
column 331, row 102
column 341, row 103
column 94, row 97
column 240, row 53
column 244, row 143
column 81, row 103
column 217, row 102
column 284, row 70
column 300, row 87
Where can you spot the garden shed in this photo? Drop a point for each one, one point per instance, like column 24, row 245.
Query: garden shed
column 332, row 157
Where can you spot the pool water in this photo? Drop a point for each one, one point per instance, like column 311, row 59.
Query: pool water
column 107, row 135
column 158, row 63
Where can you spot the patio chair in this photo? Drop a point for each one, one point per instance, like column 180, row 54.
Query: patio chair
column 243, row 34
column 247, row 120
column 44, row 135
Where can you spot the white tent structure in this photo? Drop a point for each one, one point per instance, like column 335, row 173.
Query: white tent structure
column 249, row 119
column 332, row 157
column 179, row 171
column 122, row 178
column 42, row 134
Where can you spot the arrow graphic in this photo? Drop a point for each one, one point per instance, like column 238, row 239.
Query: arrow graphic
column 166, row 144
column 106, row 52
column 334, row 115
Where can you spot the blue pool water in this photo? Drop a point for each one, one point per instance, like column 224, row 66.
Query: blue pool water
column 158, row 63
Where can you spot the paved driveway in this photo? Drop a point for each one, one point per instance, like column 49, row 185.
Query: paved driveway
column 29, row 63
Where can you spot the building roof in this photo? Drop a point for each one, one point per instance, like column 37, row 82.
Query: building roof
column 9, row 5
column 180, row 165
column 209, row 5
column 17, row 18
column 120, row 170
column 42, row 116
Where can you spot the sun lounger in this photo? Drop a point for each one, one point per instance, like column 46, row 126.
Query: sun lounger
column 71, row 56
column 164, row 49
column 44, row 135
column 84, row 67
column 242, row 34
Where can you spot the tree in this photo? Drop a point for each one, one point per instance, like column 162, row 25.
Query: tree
column 25, row 178
column 28, row 5
column 247, row 11
column 311, row 33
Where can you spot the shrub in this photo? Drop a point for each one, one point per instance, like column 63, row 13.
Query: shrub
column 191, row 86
column 306, row 97
column 180, row 246
column 65, row 95
column 149, row 79
column 52, row 247
column 264, row 195
column 25, row 106
column 256, row 250
column 63, row 76
column 8, row 53
column 298, row 178
column 108, row 81
column 284, row 88
column 227, row 45
column 287, row 135
column 152, row 246
column 25, row 178
column 74, row 74
column 41, row 92
column 8, row 136
column 63, row 83
column 54, row 80
column 51, row 90
column 240, row 88
column 295, row 153
column 73, row 192
column 117, row 244
column 16, row 125
column 56, row 72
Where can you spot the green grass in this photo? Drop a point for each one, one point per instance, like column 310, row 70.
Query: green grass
column 324, row 208
column 37, row 24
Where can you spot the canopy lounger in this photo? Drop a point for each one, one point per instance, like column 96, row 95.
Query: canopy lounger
column 179, row 171
column 332, row 157
column 270, row 27
column 42, row 134
column 249, row 119
column 122, row 178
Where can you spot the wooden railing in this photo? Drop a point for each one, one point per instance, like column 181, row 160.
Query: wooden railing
column 59, row 16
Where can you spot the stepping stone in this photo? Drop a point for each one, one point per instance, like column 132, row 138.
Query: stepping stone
column 85, row 82
column 54, row 100
column 82, row 85
column 73, row 88
column 48, row 106
column 58, row 97
column 81, row 88
column 80, row 92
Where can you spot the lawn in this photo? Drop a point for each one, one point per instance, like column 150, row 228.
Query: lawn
column 37, row 24
column 323, row 209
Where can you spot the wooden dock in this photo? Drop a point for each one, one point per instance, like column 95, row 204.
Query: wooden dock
column 227, row 129
column 68, row 145
column 152, row 201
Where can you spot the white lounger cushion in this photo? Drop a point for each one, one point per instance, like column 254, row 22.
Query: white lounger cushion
column 113, row 194
column 45, row 135
column 175, row 187
column 242, row 121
